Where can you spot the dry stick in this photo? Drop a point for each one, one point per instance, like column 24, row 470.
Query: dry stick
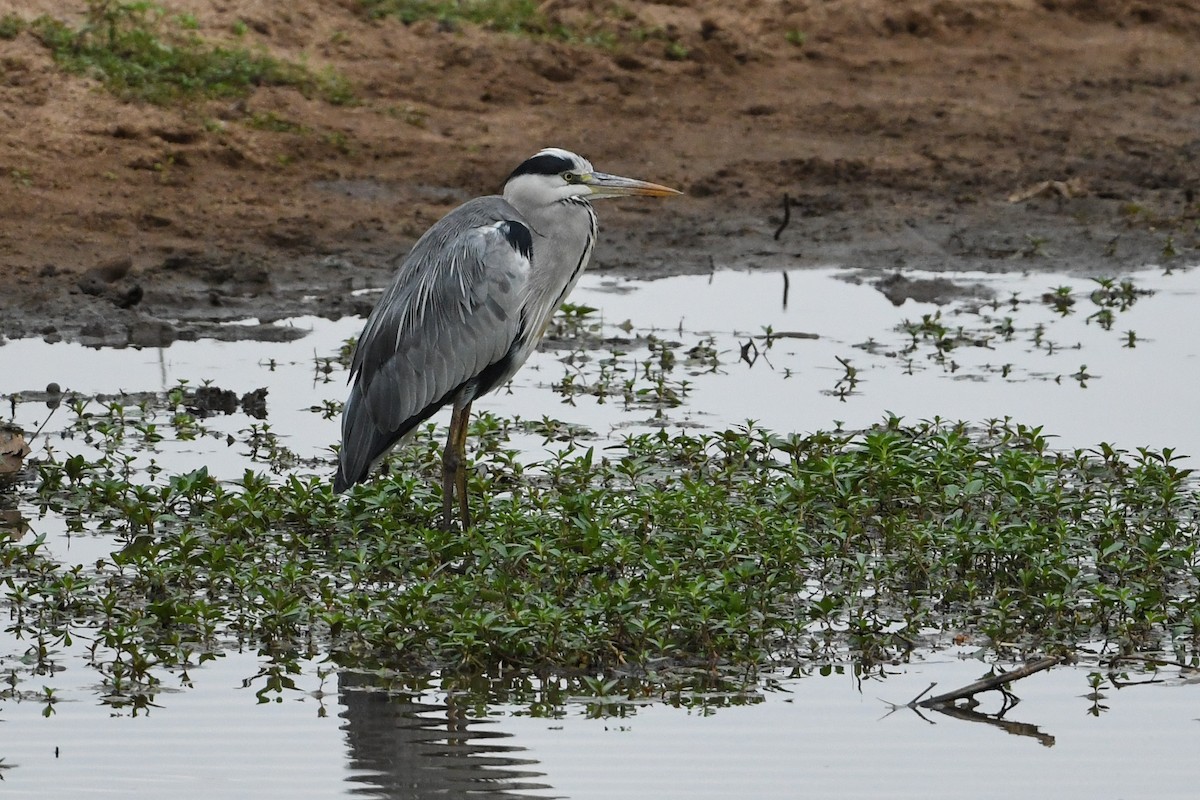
column 987, row 684
column 787, row 215
column 41, row 427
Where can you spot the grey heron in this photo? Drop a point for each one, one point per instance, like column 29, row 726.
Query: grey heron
column 466, row 308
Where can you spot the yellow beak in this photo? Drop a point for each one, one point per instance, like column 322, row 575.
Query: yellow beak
column 604, row 185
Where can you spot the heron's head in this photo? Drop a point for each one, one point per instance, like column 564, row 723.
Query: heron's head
column 554, row 175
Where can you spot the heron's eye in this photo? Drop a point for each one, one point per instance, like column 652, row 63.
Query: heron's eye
column 570, row 177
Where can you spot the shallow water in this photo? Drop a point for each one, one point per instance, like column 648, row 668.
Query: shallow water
column 815, row 736
column 1137, row 396
column 822, row 736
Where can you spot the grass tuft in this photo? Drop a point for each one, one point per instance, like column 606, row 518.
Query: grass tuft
column 512, row 16
column 142, row 52
column 11, row 26
column 610, row 31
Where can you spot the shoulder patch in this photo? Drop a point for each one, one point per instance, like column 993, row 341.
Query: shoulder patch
column 519, row 237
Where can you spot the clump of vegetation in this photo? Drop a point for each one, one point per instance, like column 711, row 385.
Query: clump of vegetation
column 662, row 563
column 661, row 557
column 513, row 16
column 1003, row 321
column 1181, row 225
column 795, row 37
column 11, row 26
column 526, row 17
column 141, row 51
column 1110, row 298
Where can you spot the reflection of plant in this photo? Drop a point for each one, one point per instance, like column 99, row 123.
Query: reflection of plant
column 931, row 330
column 1060, row 298
column 650, row 382
column 938, row 340
column 1098, row 684
column 848, row 382
column 573, row 321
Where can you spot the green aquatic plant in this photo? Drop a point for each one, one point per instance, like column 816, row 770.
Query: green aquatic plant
column 654, row 558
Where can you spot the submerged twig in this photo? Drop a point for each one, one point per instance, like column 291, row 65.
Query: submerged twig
column 894, row 707
column 769, row 337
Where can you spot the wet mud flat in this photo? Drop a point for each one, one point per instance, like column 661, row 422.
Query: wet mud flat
column 990, row 134
column 195, row 295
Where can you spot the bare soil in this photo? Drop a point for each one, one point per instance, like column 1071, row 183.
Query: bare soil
column 931, row 134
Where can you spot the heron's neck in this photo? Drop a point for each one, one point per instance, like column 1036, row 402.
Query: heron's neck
column 563, row 235
column 569, row 223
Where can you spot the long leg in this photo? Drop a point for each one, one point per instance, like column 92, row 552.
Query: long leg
column 449, row 467
column 460, row 477
column 454, row 468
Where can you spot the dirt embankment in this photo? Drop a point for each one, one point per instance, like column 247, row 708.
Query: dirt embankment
column 994, row 134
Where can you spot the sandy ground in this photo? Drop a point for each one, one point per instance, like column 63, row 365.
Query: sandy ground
column 931, row 134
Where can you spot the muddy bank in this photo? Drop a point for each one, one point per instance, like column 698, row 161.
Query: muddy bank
column 988, row 134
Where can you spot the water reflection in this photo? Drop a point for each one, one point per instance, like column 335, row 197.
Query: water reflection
column 968, row 713
column 811, row 733
column 401, row 746
column 996, row 681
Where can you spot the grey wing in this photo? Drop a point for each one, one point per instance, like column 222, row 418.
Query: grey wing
column 449, row 323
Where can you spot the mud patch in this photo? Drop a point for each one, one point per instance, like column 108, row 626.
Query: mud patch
column 994, row 135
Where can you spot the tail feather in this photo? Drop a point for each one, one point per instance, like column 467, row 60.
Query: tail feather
column 361, row 443
column 364, row 443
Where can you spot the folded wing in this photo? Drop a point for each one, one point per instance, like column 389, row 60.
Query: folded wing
column 445, row 330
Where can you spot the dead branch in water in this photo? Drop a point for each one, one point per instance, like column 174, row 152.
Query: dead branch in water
column 986, row 684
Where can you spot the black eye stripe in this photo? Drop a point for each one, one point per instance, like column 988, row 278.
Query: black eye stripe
column 543, row 164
